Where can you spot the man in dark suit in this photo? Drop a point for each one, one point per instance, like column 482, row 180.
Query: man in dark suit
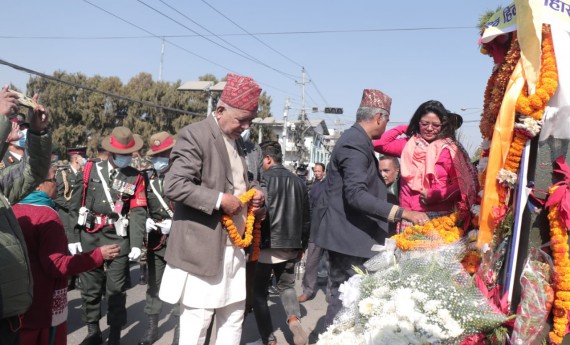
column 205, row 271
column 352, row 215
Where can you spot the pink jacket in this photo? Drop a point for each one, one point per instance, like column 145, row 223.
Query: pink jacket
column 443, row 193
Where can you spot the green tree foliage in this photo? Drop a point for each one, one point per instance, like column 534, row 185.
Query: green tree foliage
column 263, row 111
column 82, row 117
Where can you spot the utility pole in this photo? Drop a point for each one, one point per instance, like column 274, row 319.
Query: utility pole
column 285, row 126
column 161, row 61
column 300, row 131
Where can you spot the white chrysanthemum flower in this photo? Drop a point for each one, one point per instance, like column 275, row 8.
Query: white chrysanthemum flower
column 476, row 209
column 507, row 177
column 530, row 125
column 350, row 291
column 367, row 306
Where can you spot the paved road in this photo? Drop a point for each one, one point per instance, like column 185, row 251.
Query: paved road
column 312, row 318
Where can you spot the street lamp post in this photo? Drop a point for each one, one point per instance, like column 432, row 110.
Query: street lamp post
column 207, row 86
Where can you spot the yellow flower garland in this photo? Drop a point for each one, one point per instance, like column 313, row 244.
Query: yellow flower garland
column 559, row 246
column 534, row 104
column 434, row 233
column 250, row 223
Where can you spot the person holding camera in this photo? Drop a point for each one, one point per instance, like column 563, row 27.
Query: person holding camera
column 113, row 212
column 16, row 182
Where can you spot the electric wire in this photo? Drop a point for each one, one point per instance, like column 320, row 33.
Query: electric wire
column 92, row 89
column 246, row 56
column 180, row 47
column 250, row 34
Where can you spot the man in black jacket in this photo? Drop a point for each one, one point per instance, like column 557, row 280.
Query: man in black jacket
column 284, row 237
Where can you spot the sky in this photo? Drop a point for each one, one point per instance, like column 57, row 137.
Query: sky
column 413, row 51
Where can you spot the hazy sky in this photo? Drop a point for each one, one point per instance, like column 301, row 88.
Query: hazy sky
column 412, row 50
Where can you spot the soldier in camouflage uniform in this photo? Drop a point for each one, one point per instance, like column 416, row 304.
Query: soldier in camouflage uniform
column 113, row 211
column 160, row 211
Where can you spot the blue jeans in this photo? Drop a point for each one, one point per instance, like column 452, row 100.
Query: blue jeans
column 285, row 276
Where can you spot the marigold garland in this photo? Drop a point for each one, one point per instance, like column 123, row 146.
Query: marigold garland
column 496, row 87
column 250, row 236
column 534, row 105
column 432, row 234
column 559, row 246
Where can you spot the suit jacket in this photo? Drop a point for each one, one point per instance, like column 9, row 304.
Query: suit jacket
column 352, row 213
column 200, row 171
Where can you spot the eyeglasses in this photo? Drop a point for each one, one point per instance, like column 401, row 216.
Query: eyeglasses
column 427, row 124
column 50, row 180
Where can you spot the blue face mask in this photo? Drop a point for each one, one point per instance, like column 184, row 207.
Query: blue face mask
column 23, row 141
column 122, row 161
column 83, row 162
column 160, row 164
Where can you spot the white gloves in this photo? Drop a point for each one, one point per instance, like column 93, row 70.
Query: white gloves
column 135, row 254
column 74, row 248
column 150, row 225
column 165, row 226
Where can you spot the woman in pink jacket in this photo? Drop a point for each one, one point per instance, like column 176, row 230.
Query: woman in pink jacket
column 437, row 176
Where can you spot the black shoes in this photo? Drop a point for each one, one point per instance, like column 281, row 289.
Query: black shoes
column 93, row 335
column 114, row 336
column 151, row 334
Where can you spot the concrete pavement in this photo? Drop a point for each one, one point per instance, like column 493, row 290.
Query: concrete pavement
column 312, row 312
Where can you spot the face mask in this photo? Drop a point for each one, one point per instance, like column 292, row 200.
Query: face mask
column 55, row 158
column 160, row 163
column 83, row 162
column 246, row 134
column 23, row 141
column 122, row 161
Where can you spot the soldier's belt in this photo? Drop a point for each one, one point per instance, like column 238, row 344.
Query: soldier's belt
column 104, row 220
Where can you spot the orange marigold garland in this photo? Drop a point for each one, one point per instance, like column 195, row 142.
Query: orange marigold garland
column 530, row 109
column 434, row 233
column 496, row 87
column 252, row 232
column 559, row 246
column 493, row 98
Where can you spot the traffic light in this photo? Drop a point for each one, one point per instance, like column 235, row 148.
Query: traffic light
column 333, row 110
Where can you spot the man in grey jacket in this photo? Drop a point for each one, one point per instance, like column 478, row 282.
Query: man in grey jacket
column 15, row 183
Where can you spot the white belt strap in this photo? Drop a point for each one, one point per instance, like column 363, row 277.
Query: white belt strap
column 162, row 202
column 106, row 189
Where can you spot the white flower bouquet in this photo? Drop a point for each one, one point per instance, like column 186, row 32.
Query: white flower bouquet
column 425, row 297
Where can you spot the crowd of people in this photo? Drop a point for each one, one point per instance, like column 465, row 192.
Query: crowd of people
column 190, row 217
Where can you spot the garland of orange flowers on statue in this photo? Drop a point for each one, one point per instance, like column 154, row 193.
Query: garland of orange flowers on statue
column 559, row 246
column 534, row 105
column 496, row 87
column 432, row 234
column 252, row 232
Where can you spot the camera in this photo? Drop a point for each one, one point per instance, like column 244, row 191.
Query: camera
column 24, row 100
column 86, row 218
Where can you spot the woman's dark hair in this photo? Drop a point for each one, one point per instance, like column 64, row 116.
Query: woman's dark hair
column 448, row 123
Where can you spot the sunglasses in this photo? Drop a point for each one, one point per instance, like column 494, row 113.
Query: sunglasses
column 427, row 124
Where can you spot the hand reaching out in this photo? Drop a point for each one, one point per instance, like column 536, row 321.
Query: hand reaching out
column 110, row 251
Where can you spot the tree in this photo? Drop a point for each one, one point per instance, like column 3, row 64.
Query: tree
column 81, row 117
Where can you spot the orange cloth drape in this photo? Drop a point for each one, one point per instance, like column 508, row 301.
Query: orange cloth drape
column 502, row 137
